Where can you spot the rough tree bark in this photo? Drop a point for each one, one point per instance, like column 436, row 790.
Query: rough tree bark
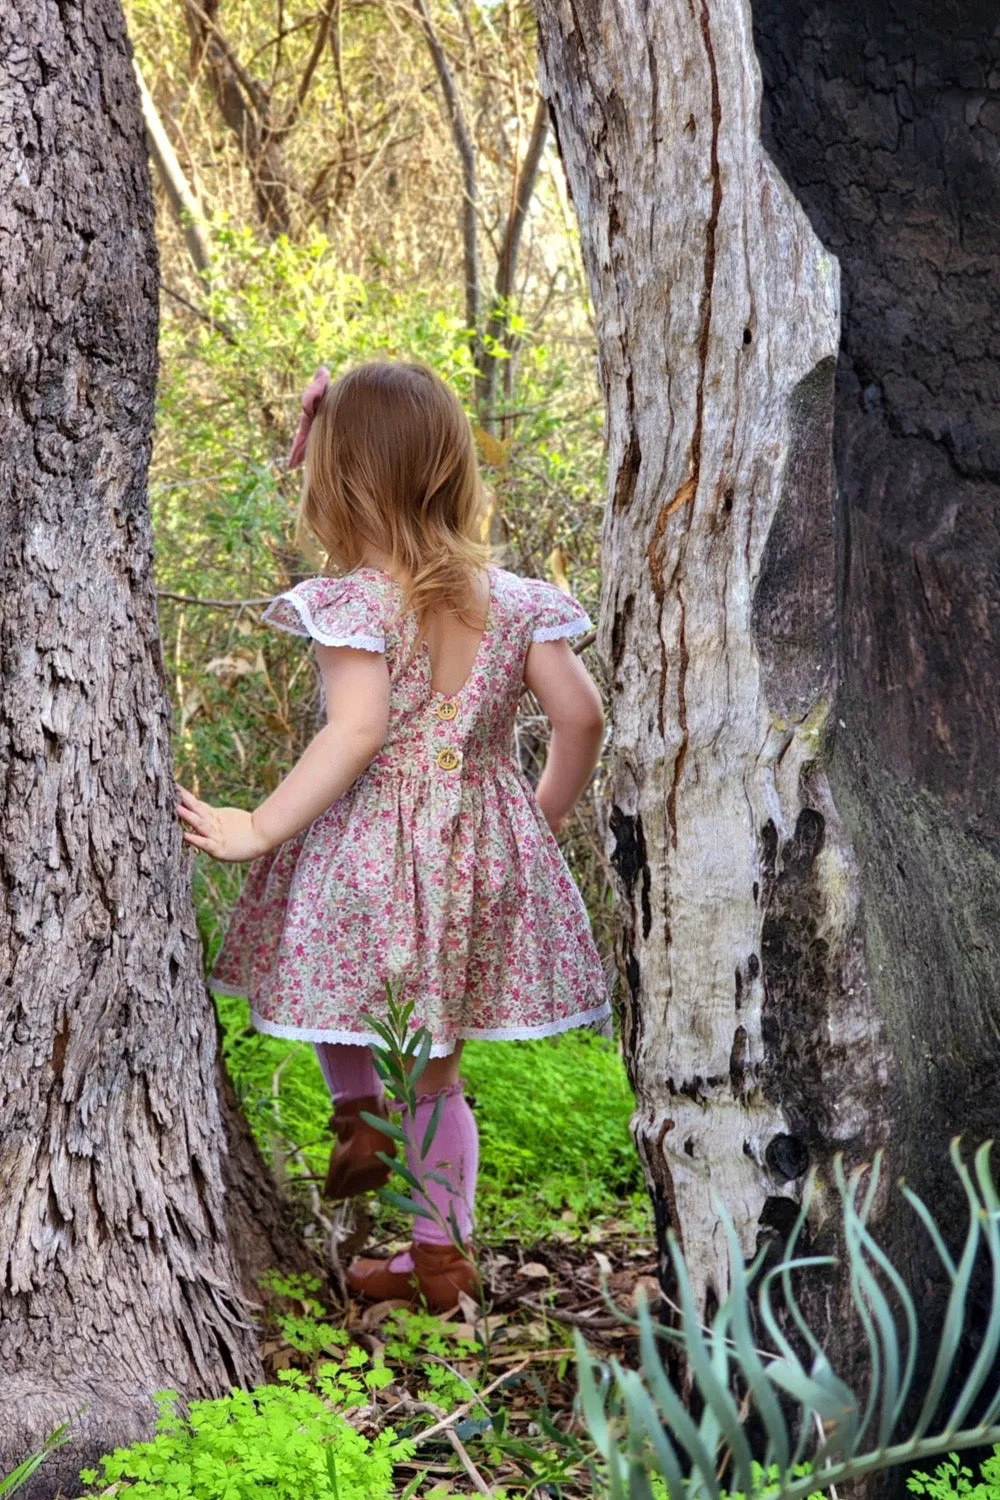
column 787, row 994
column 885, row 119
column 116, row 1270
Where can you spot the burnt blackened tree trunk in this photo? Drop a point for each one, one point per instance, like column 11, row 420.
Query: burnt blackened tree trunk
column 802, row 665
column 117, row 1275
column 885, row 120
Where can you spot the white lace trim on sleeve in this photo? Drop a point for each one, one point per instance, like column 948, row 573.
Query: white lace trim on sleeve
column 556, row 632
column 310, row 628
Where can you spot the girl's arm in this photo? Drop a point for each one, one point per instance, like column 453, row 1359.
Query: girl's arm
column 356, row 687
column 569, row 698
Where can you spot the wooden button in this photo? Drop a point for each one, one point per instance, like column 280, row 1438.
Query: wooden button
column 447, row 709
column 447, row 759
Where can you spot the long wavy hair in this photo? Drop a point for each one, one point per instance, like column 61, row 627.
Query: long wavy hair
column 391, row 464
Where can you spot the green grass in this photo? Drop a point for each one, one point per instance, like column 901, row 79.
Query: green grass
column 556, row 1152
column 556, row 1156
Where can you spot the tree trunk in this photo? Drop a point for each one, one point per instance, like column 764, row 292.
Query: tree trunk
column 885, row 120
column 245, row 105
column 116, row 1273
column 776, row 971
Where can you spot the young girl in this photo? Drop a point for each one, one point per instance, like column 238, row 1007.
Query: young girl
column 407, row 846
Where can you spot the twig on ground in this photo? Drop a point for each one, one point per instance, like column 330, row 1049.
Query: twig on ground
column 467, row 1464
column 459, row 1412
column 556, row 1315
column 456, row 1442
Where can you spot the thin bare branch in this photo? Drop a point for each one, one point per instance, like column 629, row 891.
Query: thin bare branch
column 477, row 1400
column 183, row 201
column 245, row 105
column 199, row 312
column 276, row 41
column 305, row 82
column 527, row 178
column 214, row 603
column 467, row 156
column 251, row 87
column 337, row 48
column 497, row 329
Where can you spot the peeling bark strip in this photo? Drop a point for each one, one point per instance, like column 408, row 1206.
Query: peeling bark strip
column 116, row 1276
column 718, row 317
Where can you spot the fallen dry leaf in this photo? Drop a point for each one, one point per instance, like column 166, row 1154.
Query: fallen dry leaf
column 379, row 1311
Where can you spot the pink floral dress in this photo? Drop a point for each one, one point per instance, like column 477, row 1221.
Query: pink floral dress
column 435, row 872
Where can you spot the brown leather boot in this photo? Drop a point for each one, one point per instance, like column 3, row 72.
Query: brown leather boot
column 439, row 1273
column 354, row 1165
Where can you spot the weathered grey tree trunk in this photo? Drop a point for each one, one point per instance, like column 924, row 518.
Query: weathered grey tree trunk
column 777, row 1006
column 116, row 1270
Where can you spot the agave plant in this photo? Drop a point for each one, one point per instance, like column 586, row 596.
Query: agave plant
column 649, row 1440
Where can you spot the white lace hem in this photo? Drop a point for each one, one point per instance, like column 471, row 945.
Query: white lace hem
column 310, row 628
column 556, row 632
column 464, row 1033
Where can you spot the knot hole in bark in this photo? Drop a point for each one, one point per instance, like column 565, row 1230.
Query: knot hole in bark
column 629, row 859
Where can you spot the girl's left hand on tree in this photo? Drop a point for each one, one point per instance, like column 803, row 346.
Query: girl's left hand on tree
column 226, row 833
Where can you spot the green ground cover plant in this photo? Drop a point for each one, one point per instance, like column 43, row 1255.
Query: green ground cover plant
column 287, row 1440
column 952, row 1479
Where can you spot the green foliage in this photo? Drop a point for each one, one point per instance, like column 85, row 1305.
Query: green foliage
column 228, row 405
column 307, row 1330
column 952, row 1479
column 290, row 1439
column 642, row 1426
column 556, row 1153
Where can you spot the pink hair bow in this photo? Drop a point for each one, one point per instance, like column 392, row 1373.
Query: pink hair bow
column 311, row 397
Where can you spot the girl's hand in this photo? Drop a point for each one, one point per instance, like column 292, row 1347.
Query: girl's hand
column 555, row 822
column 226, row 833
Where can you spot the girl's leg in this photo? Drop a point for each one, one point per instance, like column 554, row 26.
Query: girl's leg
column 355, row 1164
column 434, row 1269
column 349, row 1071
column 453, row 1155
column 441, row 1072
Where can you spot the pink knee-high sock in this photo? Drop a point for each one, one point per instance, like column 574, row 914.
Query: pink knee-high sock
column 454, row 1154
column 348, row 1070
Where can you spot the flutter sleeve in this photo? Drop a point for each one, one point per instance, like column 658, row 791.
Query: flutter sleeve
column 334, row 611
column 556, row 614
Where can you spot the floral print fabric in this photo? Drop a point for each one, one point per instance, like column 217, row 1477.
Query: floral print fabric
column 435, row 872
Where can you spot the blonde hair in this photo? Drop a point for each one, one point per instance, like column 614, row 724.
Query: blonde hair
column 391, row 464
